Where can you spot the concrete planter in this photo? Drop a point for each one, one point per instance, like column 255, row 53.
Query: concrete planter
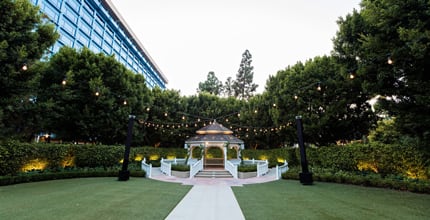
column 181, row 174
column 245, row 175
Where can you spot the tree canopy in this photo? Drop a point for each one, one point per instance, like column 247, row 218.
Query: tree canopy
column 212, row 85
column 25, row 36
column 380, row 50
column 386, row 44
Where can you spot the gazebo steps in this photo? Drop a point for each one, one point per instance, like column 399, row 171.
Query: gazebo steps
column 213, row 174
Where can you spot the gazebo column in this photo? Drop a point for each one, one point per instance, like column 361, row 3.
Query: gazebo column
column 225, row 154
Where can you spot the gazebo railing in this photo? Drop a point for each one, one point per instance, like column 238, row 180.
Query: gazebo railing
column 281, row 169
column 195, row 168
column 166, row 167
column 262, row 168
column 147, row 168
column 230, row 167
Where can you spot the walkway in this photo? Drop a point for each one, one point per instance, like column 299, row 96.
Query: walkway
column 210, row 198
column 209, row 202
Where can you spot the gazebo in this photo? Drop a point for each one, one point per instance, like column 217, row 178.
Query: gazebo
column 214, row 141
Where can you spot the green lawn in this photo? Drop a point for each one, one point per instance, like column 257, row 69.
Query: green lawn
column 90, row 198
column 287, row 199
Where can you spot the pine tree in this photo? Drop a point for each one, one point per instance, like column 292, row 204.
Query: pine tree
column 243, row 86
column 228, row 87
column 212, row 85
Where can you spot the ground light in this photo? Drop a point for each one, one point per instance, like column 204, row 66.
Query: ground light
column 305, row 175
column 124, row 173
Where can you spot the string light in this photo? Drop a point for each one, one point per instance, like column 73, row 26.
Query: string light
column 64, row 82
column 319, row 87
column 351, row 76
column 389, row 60
column 24, row 67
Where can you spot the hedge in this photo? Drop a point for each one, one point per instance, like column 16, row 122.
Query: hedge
column 16, row 157
column 363, row 178
column 378, row 158
column 81, row 173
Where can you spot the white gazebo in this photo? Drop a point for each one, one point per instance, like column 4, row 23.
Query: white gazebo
column 214, row 135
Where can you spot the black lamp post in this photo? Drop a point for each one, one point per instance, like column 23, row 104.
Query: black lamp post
column 305, row 175
column 124, row 174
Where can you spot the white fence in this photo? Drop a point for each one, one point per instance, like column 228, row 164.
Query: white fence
column 195, row 168
column 262, row 168
column 147, row 168
column 166, row 167
column 230, row 167
column 281, row 169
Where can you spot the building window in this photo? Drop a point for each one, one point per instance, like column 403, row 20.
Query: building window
column 55, row 3
column 85, row 28
column 87, row 16
column 71, row 14
column 83, row 38
column 52, row 12
column 68, row 26
column 66, row 39
column 97, row 39
column 74, row 5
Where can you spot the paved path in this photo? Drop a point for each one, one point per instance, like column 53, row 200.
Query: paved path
column 208, row 202
column 210, row 198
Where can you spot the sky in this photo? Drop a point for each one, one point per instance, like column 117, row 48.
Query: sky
column 189, row 38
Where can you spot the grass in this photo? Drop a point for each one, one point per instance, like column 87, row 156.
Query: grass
column 90, row 198
column 288, row 199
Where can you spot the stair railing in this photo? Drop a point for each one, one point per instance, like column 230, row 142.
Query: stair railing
column 230, row 167
column 195, row 168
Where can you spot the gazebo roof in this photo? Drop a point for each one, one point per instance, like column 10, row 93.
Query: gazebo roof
column 224, row 138
column 214, row 128
column 214, row 132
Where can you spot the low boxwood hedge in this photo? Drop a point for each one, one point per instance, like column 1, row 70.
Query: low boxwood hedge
column 363, row 178
column 36, row 176
column 247, row 168
column 180, row 167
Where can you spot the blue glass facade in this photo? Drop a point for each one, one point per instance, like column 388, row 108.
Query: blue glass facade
column 96, row 24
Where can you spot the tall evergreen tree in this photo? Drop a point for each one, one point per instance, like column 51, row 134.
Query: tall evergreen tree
column 243, row 85
column 228, row 87
column 212, row 85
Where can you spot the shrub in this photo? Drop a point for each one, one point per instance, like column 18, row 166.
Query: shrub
column 247, row 168
column 363, row 179
column 180, row 167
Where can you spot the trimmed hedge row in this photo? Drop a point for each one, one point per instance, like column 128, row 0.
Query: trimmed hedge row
column 273, row 156
column 16, row 157
column 363, row 178
column 378, row 158
column 83, row 173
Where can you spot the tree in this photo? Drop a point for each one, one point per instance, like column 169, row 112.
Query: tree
column 332, row 106
column 24, row 37
column 212, row 85
column 95, row 99
column 387, row 43
column 228, row 87
column 243, row 85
